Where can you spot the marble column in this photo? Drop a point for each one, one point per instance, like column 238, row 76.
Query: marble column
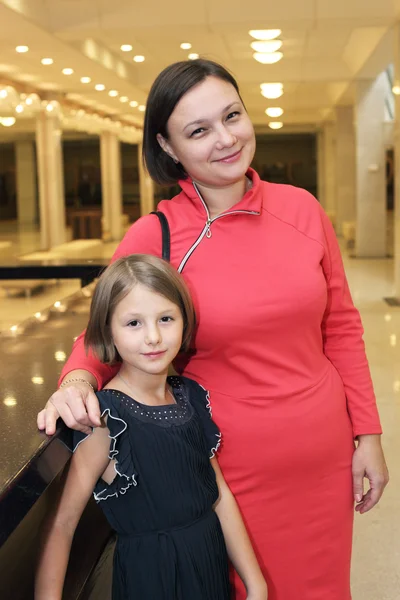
column 111, row 181
column 26, row 182
column 51, row 180
column 345, row 167
column 396, row 221
column 370, row 168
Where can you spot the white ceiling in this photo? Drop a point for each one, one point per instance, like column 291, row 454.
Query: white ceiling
column 327, row 45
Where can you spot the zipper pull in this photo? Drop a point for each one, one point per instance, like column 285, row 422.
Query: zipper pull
column 208, row 232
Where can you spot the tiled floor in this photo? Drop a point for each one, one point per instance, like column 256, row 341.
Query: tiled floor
column 376, row 562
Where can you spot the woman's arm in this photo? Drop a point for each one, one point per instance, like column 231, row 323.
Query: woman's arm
column 79, row 408
column 88, row 463
column 237, row 541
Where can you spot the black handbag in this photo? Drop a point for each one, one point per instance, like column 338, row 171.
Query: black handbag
column 166, row 235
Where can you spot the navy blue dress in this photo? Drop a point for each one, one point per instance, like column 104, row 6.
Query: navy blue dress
column 169, row 540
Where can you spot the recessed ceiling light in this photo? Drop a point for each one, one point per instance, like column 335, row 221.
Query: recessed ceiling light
column 134, row 104
column 275, row 125
column 113, row 93
column 268, row 58
column 37, row 380
column 50, row 108
column 8, row 122
column 142, row 108
column 47, row 61
column 29, row 101
column 271, row 90
column 85, row 80
column 19, row 108
column 3, row 94
column 267, row 46
column 22, row 49
column 99, row 87
column 139, row 58
column 274, row 112
column 124, row 99
column 396, row 90
column 126, row 47
column 193, row 56
column 265, row 34
column 186, row 46
column 68, row 71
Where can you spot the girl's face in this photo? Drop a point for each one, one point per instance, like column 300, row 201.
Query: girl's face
column 211, row 134
column 147, row 330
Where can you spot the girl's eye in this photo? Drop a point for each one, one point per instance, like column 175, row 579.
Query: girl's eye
column 166, row 319
column 233, row 114
column 133, row 323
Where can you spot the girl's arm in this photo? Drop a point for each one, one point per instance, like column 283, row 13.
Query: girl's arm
column 237, row 541
column 88, row 463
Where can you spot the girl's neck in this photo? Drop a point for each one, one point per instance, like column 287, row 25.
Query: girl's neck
column 221, row 199
column 144, row 387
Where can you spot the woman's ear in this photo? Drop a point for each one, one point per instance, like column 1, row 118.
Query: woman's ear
column 167, row 147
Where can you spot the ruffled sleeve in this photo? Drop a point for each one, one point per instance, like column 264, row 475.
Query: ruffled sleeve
column 200, row 400
column 120, row 452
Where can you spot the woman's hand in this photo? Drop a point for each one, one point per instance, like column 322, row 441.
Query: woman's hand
column 369, row 462
column 76, row 404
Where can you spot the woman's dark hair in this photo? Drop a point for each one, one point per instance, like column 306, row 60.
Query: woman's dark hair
column 116, row 282
column 169, row 87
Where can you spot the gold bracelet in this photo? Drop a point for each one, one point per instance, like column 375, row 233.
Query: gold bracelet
column 78, row 380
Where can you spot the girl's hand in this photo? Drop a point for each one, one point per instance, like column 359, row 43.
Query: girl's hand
column 369, row 462
column 76, row 404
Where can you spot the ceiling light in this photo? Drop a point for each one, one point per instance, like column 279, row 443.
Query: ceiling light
column 266, row 46
column 99, row 87
column 68, row 71
column 265, row 34
column 7, row 122
column 274, row 112
column 3, row 94
column 57, row 304
column 271, row 90
column 275, row 125
column 49, row 107
column 186, row 46
column 269, row 58
column 124, row 99
column 134, row 104
column 193, row 56
column 396, row 90
column 126, row 47
column 138, row 58
column 47, row 61
column 29, row 101
column 37, row 380
column 9, row 401
column 85, row 80
column 22, row 49
column 14, row 328
column 60, row 356
column 142, row 108
column 19, row 108
column 113, row 93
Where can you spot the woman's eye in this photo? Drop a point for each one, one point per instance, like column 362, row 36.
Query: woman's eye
column 233, row 114
column 197, row 131
column 166, row 319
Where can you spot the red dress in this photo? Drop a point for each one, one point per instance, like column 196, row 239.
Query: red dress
column 279, row 346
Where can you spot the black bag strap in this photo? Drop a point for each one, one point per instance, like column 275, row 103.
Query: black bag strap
column 166, row 235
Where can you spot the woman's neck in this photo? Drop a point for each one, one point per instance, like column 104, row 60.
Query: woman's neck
column 221, row 199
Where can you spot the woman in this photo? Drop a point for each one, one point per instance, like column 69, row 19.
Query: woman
column 279, row 341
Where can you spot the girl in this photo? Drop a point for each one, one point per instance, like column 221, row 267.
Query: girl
column 152, row 462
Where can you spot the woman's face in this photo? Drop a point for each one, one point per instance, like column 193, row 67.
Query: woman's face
column 210, row 134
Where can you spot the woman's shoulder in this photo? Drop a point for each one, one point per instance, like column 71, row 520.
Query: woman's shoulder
column 293, row 205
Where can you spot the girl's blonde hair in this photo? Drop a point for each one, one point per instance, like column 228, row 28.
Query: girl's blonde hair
column 116, row 282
